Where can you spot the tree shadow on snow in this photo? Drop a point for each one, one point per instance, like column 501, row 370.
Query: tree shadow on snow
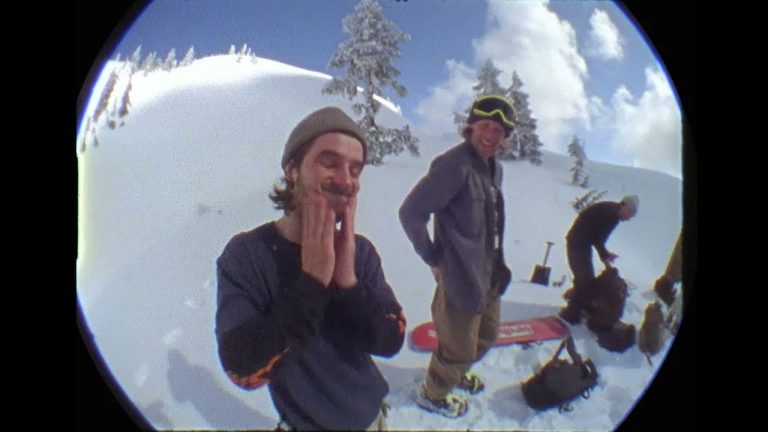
column 196, row 384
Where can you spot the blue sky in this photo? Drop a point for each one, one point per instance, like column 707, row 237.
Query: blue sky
column 586, row 67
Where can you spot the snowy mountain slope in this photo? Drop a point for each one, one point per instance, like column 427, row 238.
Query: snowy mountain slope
column 192, row 166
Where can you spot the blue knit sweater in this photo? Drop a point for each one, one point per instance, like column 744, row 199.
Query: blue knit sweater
column 277, row 325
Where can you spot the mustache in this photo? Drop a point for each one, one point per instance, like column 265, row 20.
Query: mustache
column 335, row 189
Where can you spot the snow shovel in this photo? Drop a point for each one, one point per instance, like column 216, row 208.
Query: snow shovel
column 541, row 272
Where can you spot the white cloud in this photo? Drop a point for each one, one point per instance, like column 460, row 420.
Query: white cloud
column 598, row 112
column 649, row 128
column 436, row 110
column 529, row 38
column 605, row 41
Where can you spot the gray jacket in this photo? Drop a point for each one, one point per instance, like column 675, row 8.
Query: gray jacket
column 464, row 193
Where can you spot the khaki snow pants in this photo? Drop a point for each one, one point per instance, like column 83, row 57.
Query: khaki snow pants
column 463, row 339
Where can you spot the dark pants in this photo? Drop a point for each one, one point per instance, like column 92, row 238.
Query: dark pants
column 580, row 260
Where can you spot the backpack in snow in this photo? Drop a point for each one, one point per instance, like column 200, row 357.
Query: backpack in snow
column 620, row 337
column 560, row 381
column 650, row 339
column 607, row 296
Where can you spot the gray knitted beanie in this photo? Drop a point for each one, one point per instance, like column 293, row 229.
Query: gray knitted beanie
column 632, row 202
column 324, row 120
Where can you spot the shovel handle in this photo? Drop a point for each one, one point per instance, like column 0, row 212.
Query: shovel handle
column 546, row 254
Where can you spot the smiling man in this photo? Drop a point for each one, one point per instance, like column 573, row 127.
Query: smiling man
column 463, row 190
column 302, row 304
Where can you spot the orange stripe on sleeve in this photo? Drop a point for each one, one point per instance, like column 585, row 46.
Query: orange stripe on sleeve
column 401, row 322
column 258, row 378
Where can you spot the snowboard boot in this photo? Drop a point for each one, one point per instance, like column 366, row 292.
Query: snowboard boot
column 665, row 289
column 571, row 313
column 471, row 383
column 573, row 310
column 450, row 406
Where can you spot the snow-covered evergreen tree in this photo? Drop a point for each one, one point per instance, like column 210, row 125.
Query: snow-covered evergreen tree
column 170, row 60
column 158, row 64
column 367, row 56
column 586, row 200
column 189, row 57
column 579, row 175
column 232, row 50
column 136, row 59
column 150, row 63
column 103, row 104
column 487, row 84
column 125, row 102
column 86, row 130
column 488, row 80
column 524, row 142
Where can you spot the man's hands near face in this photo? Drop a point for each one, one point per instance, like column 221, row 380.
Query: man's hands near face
column 328, row 254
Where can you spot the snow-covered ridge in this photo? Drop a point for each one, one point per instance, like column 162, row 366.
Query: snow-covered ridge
column 216, row 70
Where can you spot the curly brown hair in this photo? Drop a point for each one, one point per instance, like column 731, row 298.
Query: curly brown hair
column 467, row 132
column 282, row 194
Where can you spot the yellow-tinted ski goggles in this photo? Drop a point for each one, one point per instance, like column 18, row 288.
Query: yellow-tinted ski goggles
column 490, row 106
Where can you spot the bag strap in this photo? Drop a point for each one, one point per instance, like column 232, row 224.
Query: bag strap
column 559, row 350
column 587, row 368
column 569, row 345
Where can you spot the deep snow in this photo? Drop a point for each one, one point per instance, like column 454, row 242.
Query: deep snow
column 160, row 196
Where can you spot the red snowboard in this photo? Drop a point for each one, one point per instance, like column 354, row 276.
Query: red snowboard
column 424, row 336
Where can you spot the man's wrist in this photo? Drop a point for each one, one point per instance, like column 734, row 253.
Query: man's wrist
column 345, row 284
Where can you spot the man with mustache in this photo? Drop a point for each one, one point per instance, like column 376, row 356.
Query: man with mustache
column 463, row 190
column 302, row 304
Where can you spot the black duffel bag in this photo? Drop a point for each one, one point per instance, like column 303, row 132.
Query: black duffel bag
column 560, row 381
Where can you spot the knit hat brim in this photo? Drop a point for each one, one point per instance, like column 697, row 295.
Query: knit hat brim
column 324, row 120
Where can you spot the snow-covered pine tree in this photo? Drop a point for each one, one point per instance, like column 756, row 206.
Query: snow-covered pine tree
column 158, row 64
column 585, row 182
column 367, row 55
column 232, row 50
column 102, row 106
column 125, row 102
column 136, row 59
column 524, row 142
column 149, row 60
column 579, row 175
column 245, row 51
column 586, row 200
column 189, row 57
column 151, row 63
column 170, row 60
column 487, row 84
column 83, row 141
